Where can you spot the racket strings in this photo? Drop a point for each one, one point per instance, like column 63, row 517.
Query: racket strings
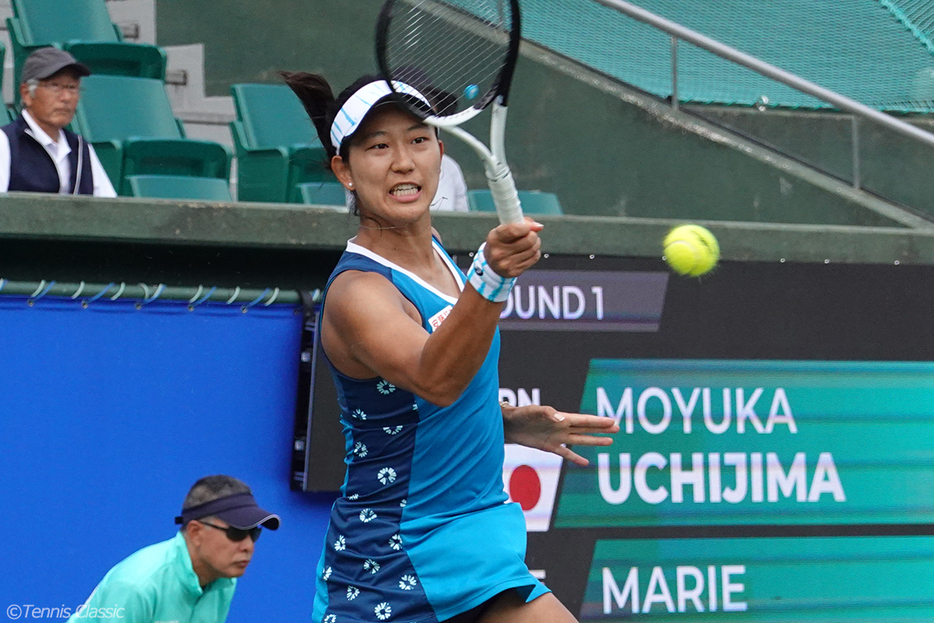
column 482, row 69
column 455, row 46
column 466, row 54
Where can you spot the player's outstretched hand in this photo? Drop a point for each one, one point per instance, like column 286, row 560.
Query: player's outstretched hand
column 513, row 247
column 546, row 429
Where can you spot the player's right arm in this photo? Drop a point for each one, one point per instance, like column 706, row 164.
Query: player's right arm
column 369, row 329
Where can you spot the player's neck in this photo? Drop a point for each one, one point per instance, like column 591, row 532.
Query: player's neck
column 407, row 245
column 411, row 251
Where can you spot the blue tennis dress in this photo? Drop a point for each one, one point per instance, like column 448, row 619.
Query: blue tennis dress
column 423, row 530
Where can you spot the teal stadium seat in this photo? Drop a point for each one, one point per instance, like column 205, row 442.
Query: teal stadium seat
column 324, row 194
column 82, row 27
column 533, row 202
column 179, row 187
column 275, row 143
column 131, row 125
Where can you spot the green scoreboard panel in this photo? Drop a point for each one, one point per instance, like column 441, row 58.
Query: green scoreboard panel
column 777, row 580
column 764, row 442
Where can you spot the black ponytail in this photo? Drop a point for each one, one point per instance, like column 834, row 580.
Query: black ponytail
column 318, row 99
column 316, row 96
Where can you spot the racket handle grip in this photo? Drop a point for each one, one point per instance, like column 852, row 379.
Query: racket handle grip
column 505, row 196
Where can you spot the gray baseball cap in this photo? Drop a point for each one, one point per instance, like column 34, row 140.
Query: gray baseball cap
column 46, row 62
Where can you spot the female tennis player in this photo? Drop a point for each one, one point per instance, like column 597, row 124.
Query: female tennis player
column 422, row 531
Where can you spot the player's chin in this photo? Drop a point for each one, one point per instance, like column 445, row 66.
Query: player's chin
column 409, row 208
column 237, row 569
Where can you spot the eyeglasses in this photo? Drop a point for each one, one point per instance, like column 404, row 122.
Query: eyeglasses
column 235, row 534
column 58, row 89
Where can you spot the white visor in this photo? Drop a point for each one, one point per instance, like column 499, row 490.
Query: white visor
column 355, row 109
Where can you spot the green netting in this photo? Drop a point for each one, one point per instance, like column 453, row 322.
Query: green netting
column 878, row 52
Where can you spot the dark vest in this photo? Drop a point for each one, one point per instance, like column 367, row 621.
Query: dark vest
column 32, row 169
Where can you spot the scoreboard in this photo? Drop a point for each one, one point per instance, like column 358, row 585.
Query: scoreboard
column 776, row 454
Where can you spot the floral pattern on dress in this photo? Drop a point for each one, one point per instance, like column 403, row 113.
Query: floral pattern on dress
column 386, row 475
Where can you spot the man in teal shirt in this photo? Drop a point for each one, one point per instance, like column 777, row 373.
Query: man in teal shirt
column 191, row 577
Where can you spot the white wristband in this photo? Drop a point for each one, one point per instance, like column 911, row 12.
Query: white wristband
column 486, row 281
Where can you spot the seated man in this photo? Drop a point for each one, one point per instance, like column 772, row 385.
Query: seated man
column 452, row 189
column 192, row 576
column 37, row 153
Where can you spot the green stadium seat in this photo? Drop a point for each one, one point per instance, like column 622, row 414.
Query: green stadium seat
column 179, row 187
column 324, row 194
column 82, row 27
column 533, row 202
column 131, row 125
column 275, row 144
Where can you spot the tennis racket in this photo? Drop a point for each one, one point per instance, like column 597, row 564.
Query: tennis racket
column 454, row 50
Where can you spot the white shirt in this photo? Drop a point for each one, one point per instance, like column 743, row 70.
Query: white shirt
column 452, row 189
column 58, row 150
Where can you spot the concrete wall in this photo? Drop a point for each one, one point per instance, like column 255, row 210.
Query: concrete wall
column 604, row 149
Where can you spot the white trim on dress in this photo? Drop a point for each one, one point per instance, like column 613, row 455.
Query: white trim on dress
column 356, row 248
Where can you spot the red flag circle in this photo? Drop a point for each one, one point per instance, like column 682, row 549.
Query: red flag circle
column 525, row 487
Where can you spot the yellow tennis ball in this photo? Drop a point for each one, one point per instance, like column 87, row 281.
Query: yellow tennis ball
column 691, row 250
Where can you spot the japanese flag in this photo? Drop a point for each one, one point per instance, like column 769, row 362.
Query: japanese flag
column 531, row 480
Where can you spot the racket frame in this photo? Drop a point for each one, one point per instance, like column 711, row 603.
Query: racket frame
column 499, row 177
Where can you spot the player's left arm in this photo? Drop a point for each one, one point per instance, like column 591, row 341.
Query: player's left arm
column 545, row 428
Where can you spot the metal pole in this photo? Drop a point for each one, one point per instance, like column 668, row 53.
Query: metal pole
column 674, row 72
column 856, row 172
column 770, row 71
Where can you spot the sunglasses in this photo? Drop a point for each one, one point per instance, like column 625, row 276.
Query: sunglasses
column 236, row 534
